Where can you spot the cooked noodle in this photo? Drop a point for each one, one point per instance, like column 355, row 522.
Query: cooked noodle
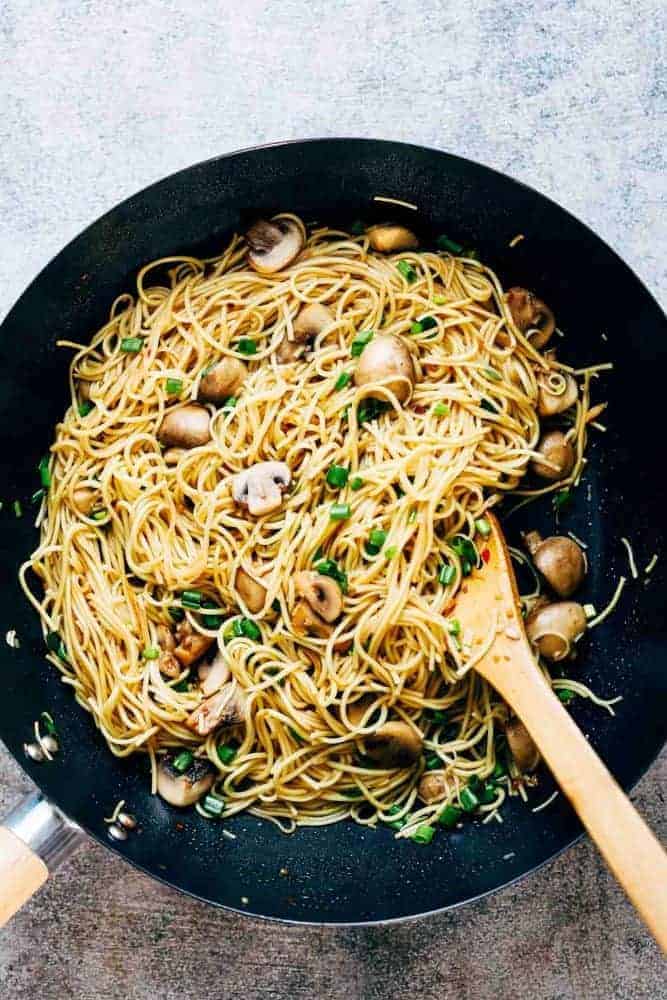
column 111, row 576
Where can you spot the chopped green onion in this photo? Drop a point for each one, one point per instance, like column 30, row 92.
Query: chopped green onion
column 44, row 472
column 328, row 567
column 275, row 604
column 229, row 404
column 176, row 614
column 446, row 574
column 191, row 599
column 466, row 567
column 18, row 509
column 441, row 410
column 453, row 626
column 433, row 762
column 213, row 806
column 566, row 695
column 318, row 554
column 487, row 405
column 85, row 406
column 395, row 824
column 449, row 816
column 391, row 552
column 182, row 686
column 358, row 228
column 499, row 770
column 437, row 716
column 182, row 761
column 439, row 300
column 351, row 793
column 377, row 537
column 424, row 834
column 342, row 381
column 483, row 527
column 407, row 270
column 131, row 345
column 444, row 243
column 360, row 341
column 99, row 515
column 226, row 753
column 487, row 793
column 211, row 621
column 416, row 328
column 356, row 483
column 247, row 346
column 47, row 721
column 371, row 408
column 37, row 495
column 151, row 653
column 492, row 373
column 562, row 498
column 412, row 516
column 466, row 551
column 469, row 800
column 174, row 386
column 250, row 630
column 474, row 781
column 337, row 476
column 339, row 511
column 55, row 645
column 296, row 734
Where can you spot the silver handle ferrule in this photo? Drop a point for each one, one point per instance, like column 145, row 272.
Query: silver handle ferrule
column 44, row 828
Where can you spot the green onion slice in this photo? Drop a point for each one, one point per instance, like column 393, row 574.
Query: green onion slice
column 337, row 476
column 339, row 511
column 131, row 345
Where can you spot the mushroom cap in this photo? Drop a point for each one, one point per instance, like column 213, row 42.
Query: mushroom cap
column 560, row 561
column 165, row 638
column 222, row 381
column 557, row 450
column 387, row 238
column 432, row 787
column 525, row 753
column 84, row 499
column 251, row 592
column 213, row 675
column 387, row 359
column 555, row 395
column 260, row 488
column 322, row 593
column 273, row 245
column 222, row 710
column 306, row 621
column 185, row 427
column 395, row 744
column 312, row 320
column 183, row 789
column 168, row 664
column 554, row 628
column 192, row 647
column 530, row 313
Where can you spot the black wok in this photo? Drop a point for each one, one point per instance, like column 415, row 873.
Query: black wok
column 344, row 873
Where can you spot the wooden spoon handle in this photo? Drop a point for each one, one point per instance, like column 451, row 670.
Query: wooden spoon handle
column 628, row 846
column 22, row 873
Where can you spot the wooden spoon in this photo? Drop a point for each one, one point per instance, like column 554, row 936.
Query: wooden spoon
column 496, row 646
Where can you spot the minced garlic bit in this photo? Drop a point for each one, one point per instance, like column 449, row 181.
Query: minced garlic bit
column 517, row 239
column 12, row 639
column 631, row 558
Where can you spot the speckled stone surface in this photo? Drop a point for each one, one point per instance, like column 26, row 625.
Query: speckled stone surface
column 100, row 99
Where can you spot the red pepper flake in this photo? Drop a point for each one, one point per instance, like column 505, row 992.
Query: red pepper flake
column 486, row 555
column 418, row 408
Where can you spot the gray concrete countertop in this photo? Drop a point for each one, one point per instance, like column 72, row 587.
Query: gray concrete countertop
column 99, row 100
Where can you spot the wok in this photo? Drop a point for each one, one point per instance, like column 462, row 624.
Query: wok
column 344, row 873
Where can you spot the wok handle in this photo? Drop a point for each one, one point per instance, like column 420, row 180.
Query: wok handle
column 626, row 843
column 35, row 838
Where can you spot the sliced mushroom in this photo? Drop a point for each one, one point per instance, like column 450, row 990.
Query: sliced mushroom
column 165, row 638
column 168, row 664
column 312, row 320
column 214, row 674
column 386, row 359
column 390, row 239
column 183, row 789
column 260, row 488
column 185, row 427
column 252, row 593
column 190, row 645
column 172, row 456
column 222, row 381
column 83, row 390
column 560, row 561
column 395, row 744
column 322, row 593
column 306, row 621
column 525, row 753
column 554, row 628
column 530, row 313
column 558, row 452
column 358, row 709
column 432, row 787
column 273, row 245
column 223, row 710
column 85, row 498
column 557, row 392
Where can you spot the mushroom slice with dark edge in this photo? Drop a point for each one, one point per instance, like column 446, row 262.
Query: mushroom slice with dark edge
column 307, row 622
column 190, row 645
column 251, row 592
column 186, row 787
column 391, row 239
column 185, row 427
column 260, row 488
column 213, row 675
column 386, row 359
column 222, row 710
column 525, row 753
column 221, row 381
column 395, row 744
column 554, row 628
column 559, row 559
column 557, row 392
column 432, row 787
column 167, row 662
column 273, row 245
column 558, row 452
column 322, row 593
column 312, row 320
column 84, row 499
column 530, row 313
